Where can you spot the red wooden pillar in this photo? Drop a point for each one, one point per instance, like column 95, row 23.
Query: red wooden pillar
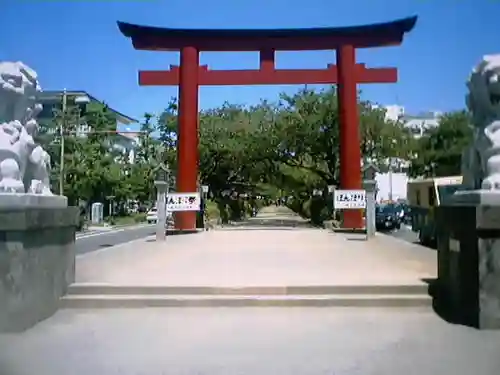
column 187, row 142
column 350, row 149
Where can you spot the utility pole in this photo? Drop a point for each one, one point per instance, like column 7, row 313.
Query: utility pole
column 62, row 126
column 390, row 179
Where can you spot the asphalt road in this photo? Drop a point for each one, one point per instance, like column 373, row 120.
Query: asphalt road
column 88, row 242
column 405, row 233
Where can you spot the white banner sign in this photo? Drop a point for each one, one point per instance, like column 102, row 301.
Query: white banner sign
column 349, row 199
column 183, row 202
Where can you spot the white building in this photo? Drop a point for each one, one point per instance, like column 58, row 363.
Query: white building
column 124, row 142
column 416, row 123
column 419, row 123
column 394, row 112
column 393, row 184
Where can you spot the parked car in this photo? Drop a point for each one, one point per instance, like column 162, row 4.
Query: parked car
column 152, row 216
column 388, row 217
column 405, row 213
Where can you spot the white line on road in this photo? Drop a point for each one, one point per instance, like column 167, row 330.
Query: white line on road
column 100, row 233
column 112, row 231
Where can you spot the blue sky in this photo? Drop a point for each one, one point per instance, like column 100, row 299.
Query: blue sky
column 75, row 44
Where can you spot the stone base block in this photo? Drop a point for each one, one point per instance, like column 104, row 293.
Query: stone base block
column 37, row 262
column 18, row 201
column 469, row 259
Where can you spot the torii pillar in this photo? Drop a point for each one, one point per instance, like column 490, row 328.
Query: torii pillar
column 347, row 74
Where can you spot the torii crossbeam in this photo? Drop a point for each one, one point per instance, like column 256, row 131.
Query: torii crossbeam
column 190, row 75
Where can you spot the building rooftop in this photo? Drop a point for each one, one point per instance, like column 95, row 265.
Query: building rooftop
column 132, row 135
column 53, row 95
column 431, row 115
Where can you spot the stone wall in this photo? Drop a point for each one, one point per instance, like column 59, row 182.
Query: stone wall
column 469, row 264
column 37, row 263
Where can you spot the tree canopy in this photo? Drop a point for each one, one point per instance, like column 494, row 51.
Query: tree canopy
column 285, row 148
column 439, row 151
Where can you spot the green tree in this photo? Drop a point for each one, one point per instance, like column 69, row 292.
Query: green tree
column 233, row 149
column 439, row 151
column 166, row 126
column 140, row 177
column 49, row 137
column 285, row 148
column 382, row 139
column 93, row 171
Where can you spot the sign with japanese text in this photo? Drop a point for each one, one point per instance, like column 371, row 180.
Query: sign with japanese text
column 183, row 202
column 349, row 199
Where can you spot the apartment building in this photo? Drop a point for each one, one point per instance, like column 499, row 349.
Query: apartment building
column 392, row 185
column 124, row 142
column 417, row 123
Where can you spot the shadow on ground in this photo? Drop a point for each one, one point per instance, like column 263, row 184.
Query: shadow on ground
column 359, row 237
column 442, row 307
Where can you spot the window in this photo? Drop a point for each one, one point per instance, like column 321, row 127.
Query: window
column 418, row 197
column 47, row 111
column 82, row 107
column 432, row 196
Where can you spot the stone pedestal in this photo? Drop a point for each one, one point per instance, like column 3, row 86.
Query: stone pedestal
column 468, row 229
column 161, row 219
column 370, row 224
column 37, row 259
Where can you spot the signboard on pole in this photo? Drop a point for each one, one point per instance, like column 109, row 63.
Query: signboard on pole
column 349, row 199
column 183, row 202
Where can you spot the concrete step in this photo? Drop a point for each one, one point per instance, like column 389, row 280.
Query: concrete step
column 88, row 301
column 110, row 289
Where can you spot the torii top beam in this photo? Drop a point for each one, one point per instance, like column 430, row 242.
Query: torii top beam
column 325, row 38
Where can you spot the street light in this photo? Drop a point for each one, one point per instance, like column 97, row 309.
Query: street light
column 62, row 125
column 162, row 176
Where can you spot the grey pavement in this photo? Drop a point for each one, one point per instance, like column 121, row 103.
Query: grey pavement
column 270, row 341
column 260, row 257
column 92, row 241
column 406, row 234
column 222, row 341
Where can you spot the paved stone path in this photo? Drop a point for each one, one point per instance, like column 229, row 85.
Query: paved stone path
column 220, row 341
column 272, row 249
column 274, row 341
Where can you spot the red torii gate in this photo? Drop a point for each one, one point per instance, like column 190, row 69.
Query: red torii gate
column 190, row 75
